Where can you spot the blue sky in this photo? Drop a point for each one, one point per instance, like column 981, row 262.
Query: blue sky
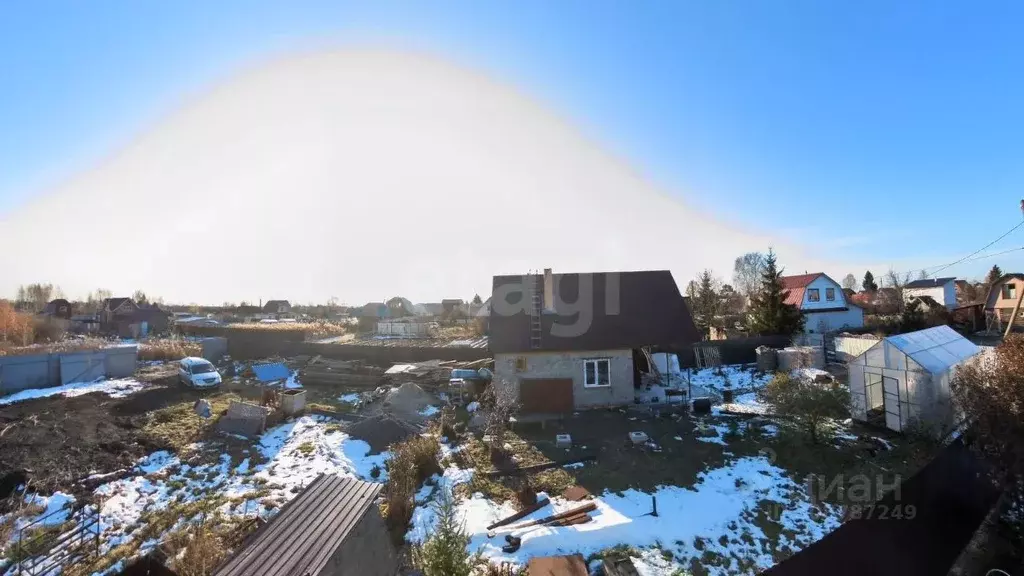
column 887, row 131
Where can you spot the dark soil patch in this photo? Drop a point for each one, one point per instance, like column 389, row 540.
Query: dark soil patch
column 60, row 440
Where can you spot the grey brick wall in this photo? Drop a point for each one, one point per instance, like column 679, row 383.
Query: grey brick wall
column 570, row 365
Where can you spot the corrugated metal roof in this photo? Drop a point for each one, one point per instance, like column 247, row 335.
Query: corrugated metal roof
column 307, row 531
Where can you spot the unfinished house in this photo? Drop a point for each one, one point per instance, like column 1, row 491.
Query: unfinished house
column 332, row 528
column 904, row 380
column 565, row 342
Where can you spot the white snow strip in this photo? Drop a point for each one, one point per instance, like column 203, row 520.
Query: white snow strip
column 429, row 411
column 114, row 388
column 721, row 504
column 350, row 398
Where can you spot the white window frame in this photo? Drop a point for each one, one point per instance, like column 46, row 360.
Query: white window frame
column 596, row 362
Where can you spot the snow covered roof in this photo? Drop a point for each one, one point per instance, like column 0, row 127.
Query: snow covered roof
column 935, row 349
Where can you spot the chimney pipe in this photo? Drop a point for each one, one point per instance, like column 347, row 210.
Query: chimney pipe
column 549, row 290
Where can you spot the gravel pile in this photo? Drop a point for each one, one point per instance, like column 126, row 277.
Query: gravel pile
column 381, row 431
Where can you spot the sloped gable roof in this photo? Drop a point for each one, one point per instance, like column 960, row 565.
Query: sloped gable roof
column 648, row 310
column 929, row 283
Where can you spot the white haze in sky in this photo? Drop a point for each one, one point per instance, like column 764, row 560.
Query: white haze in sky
column 363, row 175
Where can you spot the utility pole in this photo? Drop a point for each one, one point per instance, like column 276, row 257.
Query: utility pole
column 1020, row 297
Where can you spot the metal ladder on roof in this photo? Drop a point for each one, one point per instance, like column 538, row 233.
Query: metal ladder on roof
column 536, row 310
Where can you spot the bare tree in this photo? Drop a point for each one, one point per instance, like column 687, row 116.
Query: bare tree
column 746, row 273
column 850, row 282
column 897, row 282
column 502, row 400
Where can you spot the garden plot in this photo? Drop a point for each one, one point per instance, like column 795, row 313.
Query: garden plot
column 163, row 491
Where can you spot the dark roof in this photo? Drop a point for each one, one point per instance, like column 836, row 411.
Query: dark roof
column 113, row 303
column 927, row 301
column 374, row 310
column 53, row 306
column 651, row 311
column 272, row 305
column 307, row 531
column 929, row 283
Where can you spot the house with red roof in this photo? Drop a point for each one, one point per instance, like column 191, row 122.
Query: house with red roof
column 823, row 303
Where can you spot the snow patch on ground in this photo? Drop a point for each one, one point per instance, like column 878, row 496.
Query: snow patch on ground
column 429, row 411
column 296, row 453
column 350, row 398
column 722, row 503
column 118, row 388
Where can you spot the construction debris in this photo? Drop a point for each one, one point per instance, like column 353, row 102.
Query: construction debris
column 573, row 565
column 576, row 493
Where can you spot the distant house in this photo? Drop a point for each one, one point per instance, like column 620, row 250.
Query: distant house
column 822, row 302
column 942, row 290
column 576, row 351
column 277, row 307
column 114, row 309
column 59, row 308
column 151, row 319
column 117, row 315
column 1002, row 297
column 451, row 304
column 926, row 304
column 430, row 309
column 374, row 310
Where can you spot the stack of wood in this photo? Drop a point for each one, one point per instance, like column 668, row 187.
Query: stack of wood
column 342, row 373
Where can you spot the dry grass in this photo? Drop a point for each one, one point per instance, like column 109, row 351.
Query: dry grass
column 74, row 345
column 412, row 462
column 316, row 329
column 178, row 425
column 478, row 455
column 168, row 350
column 8, row 522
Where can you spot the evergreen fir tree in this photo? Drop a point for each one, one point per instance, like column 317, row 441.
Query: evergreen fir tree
column 769, row 313
column 994, row 274
column 869, row 285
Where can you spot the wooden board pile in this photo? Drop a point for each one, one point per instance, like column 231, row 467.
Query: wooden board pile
column 343, row 373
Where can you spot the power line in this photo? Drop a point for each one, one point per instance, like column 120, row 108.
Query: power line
column 1005, row 234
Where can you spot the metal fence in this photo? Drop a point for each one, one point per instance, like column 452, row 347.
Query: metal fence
column 59, row 368
column 39, row 550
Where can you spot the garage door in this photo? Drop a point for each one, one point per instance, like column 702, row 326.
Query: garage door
column 550, row 395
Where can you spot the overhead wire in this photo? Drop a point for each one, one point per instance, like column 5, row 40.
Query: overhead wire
column 983, row 248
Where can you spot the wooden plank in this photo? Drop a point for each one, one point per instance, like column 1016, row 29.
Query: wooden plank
column 540, row 467
column 618, row 567
column 558, row 566
column 589, row 507
column 521, row 514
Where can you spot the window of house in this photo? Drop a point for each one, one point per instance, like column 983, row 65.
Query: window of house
column 830, row 294
column 597, row 372
column 1009, row 291
column 813, row 295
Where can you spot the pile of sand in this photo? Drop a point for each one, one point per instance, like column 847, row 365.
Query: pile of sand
column 381, row 431
column 408, row 400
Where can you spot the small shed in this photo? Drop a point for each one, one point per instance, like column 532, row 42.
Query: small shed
column 905, row 379
column 331, row 528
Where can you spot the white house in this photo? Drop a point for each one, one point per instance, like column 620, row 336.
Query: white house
column 942, row 290
column 823, row 303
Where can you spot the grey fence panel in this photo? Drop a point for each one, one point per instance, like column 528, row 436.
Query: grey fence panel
column 82, row 366
column 214, row 348
column 121, row 361
column 23, row 372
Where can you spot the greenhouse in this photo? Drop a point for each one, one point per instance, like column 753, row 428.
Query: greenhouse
column 904, row 380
